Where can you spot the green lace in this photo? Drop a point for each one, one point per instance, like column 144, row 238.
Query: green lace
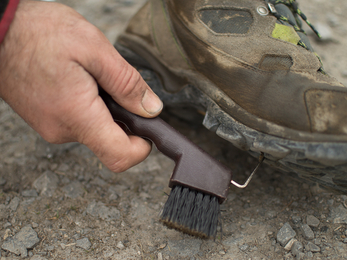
column 293, row 6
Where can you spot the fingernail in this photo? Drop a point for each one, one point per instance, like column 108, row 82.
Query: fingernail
column 151, row 103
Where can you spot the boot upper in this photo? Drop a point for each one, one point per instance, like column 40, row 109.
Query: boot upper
column 252, row 58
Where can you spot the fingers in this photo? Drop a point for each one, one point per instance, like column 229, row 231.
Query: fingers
column 107, row 140
column 119, row 78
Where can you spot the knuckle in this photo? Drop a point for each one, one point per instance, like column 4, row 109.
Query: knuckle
column 130, row 83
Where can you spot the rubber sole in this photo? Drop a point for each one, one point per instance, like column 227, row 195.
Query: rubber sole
column 322, row 162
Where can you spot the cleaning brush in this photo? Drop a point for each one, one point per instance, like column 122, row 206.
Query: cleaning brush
column 199, row 182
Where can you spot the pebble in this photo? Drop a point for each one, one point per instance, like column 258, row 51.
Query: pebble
column 289, row 245
column 307, row 232
column 312, row 247
column 312, row 221
column 4, row 212
column 183, row 247
column 73, row 190
column 285, row 234
column 84, row 243
column 244, row 247
column 309, row 254
column 297, row 248
column 296, row 219
column 14, row 203
column 120, row 245
column 29, row 193
column 46, row 184
column 98, row 209
column 338, row 215
column 27, row 202
column 7, row 224
column 160, row 256
column 34, row 225
column 324, row 31
column 25, row 239
column 98, row 181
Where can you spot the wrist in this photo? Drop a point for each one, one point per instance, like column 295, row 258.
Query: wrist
column 7, row 12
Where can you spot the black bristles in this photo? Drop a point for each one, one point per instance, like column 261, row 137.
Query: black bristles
column 191, row 212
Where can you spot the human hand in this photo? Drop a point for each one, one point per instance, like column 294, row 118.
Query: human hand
column 50, row 62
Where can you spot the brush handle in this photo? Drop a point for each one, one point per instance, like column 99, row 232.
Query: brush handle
column 164, row 136
column 194, row 167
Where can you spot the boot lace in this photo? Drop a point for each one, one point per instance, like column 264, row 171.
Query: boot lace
column 294, row 8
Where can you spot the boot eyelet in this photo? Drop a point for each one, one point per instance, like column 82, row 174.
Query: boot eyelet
column 262, row 10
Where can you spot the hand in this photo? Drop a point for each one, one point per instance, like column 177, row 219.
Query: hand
column 50, row 62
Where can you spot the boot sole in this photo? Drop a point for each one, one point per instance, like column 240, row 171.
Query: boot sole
column 322, row 162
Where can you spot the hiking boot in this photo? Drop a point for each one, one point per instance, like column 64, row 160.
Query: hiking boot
column 249, row 66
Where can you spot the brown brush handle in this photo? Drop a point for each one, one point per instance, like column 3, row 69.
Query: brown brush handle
column 194, row 167
column 164, row 136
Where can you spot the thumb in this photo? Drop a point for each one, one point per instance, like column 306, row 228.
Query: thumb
column 119, row 79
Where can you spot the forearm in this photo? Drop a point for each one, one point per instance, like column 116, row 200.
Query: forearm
column 7, row 11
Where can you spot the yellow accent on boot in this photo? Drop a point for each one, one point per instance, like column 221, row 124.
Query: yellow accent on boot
column 285, row 33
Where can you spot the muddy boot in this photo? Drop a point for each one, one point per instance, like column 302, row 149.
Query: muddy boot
column 249, row 66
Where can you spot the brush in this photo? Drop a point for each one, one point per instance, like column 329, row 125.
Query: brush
column 199, row 182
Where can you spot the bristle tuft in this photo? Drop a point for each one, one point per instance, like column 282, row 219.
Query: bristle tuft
column 191, row 212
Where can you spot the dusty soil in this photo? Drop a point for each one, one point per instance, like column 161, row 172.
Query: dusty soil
column 80, row 210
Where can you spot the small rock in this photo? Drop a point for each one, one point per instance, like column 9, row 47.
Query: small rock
column 324, row 31
column 29, row 193
column 300, row 256
column 160, row 256
column 98, row 209
column 49, row 248
column 34, row 225
column 338, row 215
column 73, row 190
column 317, row 241
column 289, row 245
column 312, row 221
column 84, row 243
column 312, row 247
column 14, row 203
column 7, row 224
column 108, row 253
column 27, row 202
column 345, row 240
column 309, row 254
column 98, row 181
column 7, row 234
column 297, row 248
column 120, row 245
column 307, row 232
column 244, row 247
column 285, row 234
column 46, row 184
column 25, row 239
column 4, row 212
column 183, row 247
column 296, row 219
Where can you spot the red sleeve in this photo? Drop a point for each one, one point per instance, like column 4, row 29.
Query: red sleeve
column 7, row 17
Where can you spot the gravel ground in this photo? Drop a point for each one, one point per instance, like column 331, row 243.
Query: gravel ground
column 59, row 202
